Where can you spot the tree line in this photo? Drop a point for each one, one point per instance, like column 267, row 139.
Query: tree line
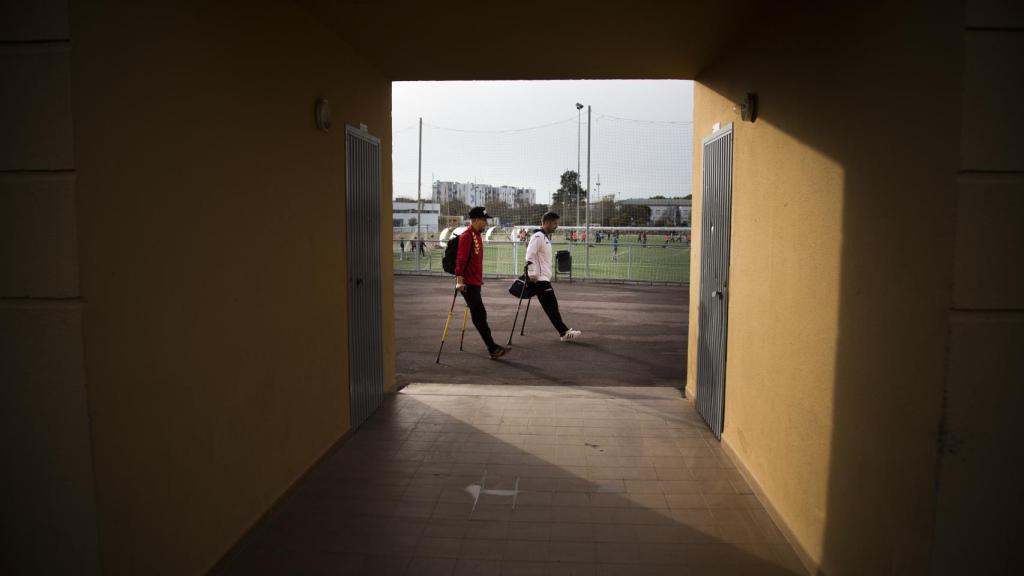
column 564, row 201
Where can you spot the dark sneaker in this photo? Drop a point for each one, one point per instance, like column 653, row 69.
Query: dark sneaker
column 499, row 351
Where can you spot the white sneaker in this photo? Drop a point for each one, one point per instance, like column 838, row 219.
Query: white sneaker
column 571, row 334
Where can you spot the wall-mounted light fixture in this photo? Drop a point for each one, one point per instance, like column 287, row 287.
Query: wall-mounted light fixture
column 323, row 115
column 748, row 108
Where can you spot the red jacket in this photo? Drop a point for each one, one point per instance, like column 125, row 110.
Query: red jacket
column 470, row 260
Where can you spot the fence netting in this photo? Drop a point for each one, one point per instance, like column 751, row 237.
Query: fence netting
column 637, row 191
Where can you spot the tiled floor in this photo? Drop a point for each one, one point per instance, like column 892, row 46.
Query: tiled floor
column 461, row 479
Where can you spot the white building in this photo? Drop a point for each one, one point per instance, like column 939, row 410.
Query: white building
column 404, row 215
column 474, row 194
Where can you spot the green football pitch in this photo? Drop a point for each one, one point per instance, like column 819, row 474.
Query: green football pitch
column 655, row 262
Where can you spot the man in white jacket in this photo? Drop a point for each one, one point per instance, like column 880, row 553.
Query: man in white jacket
column 538, row 261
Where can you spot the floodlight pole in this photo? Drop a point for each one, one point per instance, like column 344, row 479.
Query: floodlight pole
column 586, row 235
column 419, row 201
column 579, row 131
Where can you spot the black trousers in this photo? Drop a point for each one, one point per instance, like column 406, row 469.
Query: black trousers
column 479, row 314
column 546, row 295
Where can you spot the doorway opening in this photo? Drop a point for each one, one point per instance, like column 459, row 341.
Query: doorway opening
column 613, row 159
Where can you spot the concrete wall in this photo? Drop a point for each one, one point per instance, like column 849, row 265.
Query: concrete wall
column 49, row 519
column 211, row 218
column 844, row 205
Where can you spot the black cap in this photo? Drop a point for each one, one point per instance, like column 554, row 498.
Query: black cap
column 478, row 212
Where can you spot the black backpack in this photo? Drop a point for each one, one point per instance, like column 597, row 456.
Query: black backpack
column 451, row 252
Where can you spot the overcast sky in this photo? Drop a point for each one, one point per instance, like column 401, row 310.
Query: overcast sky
column 524, row 134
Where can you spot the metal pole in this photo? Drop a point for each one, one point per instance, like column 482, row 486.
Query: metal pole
column 522, row 331
column 579, row 128
column 587, row 234
column 465, row 315
column 526, row 272
column 419, row 202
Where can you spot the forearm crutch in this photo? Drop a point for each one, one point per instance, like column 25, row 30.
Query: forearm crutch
column 522, row 331
column 446, row 322
column 465, row 316
column 526, row 270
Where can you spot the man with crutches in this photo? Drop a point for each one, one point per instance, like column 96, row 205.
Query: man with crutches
column 538, row 264
column 469, row 279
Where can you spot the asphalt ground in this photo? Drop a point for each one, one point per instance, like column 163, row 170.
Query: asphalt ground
column 633, row 335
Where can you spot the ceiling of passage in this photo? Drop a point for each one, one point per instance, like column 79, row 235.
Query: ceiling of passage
column 536, row 40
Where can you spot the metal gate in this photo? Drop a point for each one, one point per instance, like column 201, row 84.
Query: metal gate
column 365, row 349
column 713, row 321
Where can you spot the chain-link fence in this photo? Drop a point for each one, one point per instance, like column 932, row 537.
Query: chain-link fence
column 657, row 260
column 640, row 173
column 628, row 176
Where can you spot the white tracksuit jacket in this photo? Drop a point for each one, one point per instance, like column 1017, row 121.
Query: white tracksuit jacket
column 539, row 253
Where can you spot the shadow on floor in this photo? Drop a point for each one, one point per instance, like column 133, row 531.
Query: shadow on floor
column 522, row 480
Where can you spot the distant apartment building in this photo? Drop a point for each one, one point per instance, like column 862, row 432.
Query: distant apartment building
column 674, row 211
column 404, row 215
column 474, row 194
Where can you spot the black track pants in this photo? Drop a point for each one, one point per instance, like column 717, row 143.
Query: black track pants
column 479, row 314
column 546, row 295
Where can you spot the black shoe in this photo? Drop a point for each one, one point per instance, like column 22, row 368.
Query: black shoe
column 499, row 351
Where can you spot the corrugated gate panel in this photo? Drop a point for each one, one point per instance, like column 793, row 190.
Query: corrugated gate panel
column 365, row 348
column 716, row 220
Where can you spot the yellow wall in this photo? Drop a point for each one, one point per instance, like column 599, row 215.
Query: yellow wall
column 843, row 210
column 198, row 291
column 530, row 41
column 212, row 239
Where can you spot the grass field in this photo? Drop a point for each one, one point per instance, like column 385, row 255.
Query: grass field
column 656, row 262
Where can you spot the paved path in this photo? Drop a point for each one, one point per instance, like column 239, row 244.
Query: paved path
column 517, row 480
column 632, row 335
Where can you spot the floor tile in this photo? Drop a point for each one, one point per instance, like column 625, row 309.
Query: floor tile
column 632, row 487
